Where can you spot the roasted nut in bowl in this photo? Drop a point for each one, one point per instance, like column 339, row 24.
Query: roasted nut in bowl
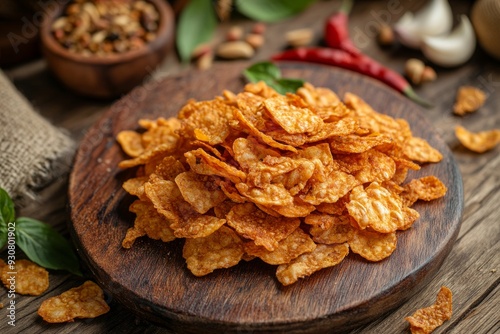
column 101, row 54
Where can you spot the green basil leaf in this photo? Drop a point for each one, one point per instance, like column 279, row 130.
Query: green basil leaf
column 265, row 71
column 284, row 86
column 44, row 246
column 271, row 75
column 7, row 215
column 196, row 25
column 271, row 10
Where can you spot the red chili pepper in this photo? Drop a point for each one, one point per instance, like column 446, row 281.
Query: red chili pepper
column 337, row 31
column 357, row 63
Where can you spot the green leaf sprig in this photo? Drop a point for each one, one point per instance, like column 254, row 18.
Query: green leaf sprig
column 39, row 241
column 271, row 75
column 196, row 26
column 271, row 11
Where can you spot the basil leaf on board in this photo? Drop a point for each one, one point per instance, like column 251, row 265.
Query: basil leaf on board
column 265, row 71
column 271, row 10
column 285, row 85
column 45, row 246
column 7, row 215
column 271, row 75
column 197, row 24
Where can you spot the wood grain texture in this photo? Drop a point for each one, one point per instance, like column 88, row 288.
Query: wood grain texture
column 152, row 279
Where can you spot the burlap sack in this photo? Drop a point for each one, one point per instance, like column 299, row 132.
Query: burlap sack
column 33, row 153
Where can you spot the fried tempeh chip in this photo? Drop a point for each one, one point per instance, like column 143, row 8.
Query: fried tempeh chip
column 28, row 277
column 85, row 301
column 221, row 249
column 425, row 320
column 479, row 142
column 323, row 256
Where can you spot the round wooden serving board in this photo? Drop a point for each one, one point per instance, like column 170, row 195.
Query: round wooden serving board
column 151, row 278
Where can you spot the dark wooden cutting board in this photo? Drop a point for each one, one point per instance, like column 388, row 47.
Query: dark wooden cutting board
column 151, row 278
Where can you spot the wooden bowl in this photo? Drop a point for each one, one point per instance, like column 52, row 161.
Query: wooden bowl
column 107, row 76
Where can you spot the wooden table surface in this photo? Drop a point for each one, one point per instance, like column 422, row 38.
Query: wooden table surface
column 471, row 269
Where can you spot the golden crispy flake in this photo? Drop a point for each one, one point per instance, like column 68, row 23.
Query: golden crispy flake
column 369, row 119
column 291, row 118
column 248, row 151
column 426, row 188
column 252, row 130
column 261, row 89
column 203, row 163
column 222, row 209
column 418, row 149
column 85, row 301
column 373, row 246
column 168, row 168
column 323, row 256
column 164, row 131
column 271, row 194
column 357, row 144
column 131, row 143
column 425, row 320
column 186, row 222
column 332, row 230
column 299, row 208
column 317, row 96
column 200, row 191
column 336, row 185
column 469, row 99
column 320, row 151
column 337, row 208
column 376, row 207
column 135, row 186
column 147, row 222
column 265, row 230
column 157, row 152
column 341, row 127
column 288, row 249
column 30, row 278
column 231, row 192
column 222, row 249
column 207, row 121
column 479, row 142
column 411, row 216
column 369, row 166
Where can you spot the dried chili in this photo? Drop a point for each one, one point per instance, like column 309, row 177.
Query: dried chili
column 337, row 32
column 357, row 63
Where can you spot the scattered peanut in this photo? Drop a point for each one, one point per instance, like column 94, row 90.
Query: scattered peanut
column 386, row 35
column 201, row 50
column 299, row 37
column 429, row 74
column 418, row 73
column 234, row 33
column 259, row 28
column 205, row 61
column 255, row 40
column 235, row 50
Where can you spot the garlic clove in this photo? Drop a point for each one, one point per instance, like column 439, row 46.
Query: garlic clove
column 453, row 49
column 434, row 19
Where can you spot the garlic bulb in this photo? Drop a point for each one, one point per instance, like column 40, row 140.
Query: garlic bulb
column 434, row 19
column 486, row 20
column 453, row 49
